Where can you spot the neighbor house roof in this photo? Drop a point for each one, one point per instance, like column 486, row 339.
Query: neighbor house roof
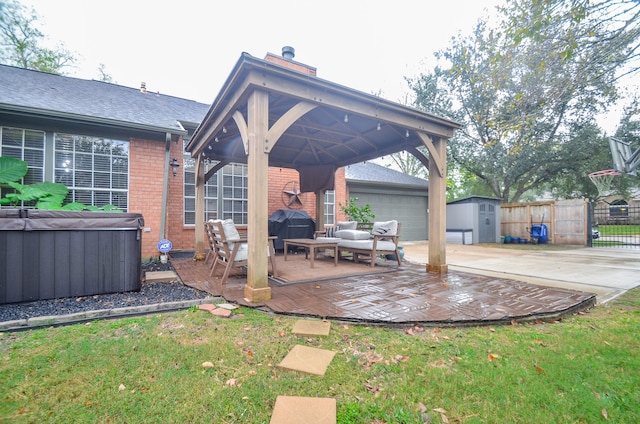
column 369, row 172
column 28, row 92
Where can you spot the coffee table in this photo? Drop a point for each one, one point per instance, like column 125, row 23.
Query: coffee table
column 312, row 246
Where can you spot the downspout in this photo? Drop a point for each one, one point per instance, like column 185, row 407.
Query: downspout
column 165, row 187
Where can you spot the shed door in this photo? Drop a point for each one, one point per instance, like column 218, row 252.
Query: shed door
column 410, row 211
column 486, row 223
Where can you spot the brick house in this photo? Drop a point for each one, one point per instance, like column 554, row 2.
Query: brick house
column 114, row 145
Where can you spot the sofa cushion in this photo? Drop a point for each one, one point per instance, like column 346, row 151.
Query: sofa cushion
column 345, row 225
column 348, row 225
column 353, row 235
column 385, row 228
column 381, row 246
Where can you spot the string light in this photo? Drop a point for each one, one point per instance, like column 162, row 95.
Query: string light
column 406, row 134
column 346, row 118
column 378, row 128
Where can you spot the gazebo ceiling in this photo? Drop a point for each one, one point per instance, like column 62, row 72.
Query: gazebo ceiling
column 338, row 126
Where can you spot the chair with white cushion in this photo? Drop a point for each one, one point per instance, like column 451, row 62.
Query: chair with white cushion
column 230, row 249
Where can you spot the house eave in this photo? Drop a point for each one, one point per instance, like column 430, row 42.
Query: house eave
column 50, row 114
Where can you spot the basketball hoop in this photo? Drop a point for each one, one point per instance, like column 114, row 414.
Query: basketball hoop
column 603, row 180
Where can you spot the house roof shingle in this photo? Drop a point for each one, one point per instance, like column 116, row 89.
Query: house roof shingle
column 373, row 173
column 47, row 94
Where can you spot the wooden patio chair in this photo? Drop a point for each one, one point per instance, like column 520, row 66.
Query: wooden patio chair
column 212, row 247
column 231, row 250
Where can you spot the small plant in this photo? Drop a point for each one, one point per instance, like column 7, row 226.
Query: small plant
column 357, row 213
column 46, row 195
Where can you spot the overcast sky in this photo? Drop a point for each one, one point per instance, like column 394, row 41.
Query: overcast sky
column 187, row 48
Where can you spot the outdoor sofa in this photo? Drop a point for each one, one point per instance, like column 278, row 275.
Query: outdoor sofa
column 365, row 240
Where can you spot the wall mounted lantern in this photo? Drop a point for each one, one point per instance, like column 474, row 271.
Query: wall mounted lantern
column 174, row 166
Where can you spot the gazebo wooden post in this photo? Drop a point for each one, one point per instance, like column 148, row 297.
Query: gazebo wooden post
column 257, row 288
column 320, row 210
column 437, row 261
column 200, row 245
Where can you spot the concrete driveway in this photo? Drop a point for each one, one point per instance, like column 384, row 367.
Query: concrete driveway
column 606, row 272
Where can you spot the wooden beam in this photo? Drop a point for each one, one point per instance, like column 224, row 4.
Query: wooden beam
column 200, row 181
column 439, row 159
column 419, row 155
column 215, row 169
column 320, row 210
column 437, row 261
column 346, row 101
column 257, row 288
column 211, row 126
column 242, row 128
column 285, row 121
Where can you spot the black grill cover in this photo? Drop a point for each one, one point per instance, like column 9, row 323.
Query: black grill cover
column 290, row 224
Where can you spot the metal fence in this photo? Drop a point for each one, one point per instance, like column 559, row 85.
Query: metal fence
column 616, row 226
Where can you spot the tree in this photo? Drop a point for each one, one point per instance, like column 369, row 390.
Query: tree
column 21, row 42
column 521, row 90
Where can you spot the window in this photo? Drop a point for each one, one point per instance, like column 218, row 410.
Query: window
column 210, row 192
column 330, row 207
column 231, row 182
column 619, row 209
column 26, row 145
column 96, row 170
column 235, row 193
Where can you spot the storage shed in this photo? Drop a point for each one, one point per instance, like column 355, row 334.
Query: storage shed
column 473, row 219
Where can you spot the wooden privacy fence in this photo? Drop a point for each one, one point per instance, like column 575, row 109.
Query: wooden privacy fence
column 567, row 221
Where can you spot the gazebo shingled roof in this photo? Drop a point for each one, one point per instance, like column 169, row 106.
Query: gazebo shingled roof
column 268, row 113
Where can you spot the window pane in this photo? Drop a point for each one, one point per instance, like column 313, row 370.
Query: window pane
column 26, row 145
column 34, row 139
column 94, row 163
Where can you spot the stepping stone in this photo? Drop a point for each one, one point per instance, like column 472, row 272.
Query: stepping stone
column 303, row 410
column 228, row 306
column 160, row 276
column 221, row 312
column 311, row 328
column 207, row 307
column 307, row 359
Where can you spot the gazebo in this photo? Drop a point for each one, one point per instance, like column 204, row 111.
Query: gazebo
column 277, row 112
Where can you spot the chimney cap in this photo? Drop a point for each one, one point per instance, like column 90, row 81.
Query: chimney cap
column 288, row 52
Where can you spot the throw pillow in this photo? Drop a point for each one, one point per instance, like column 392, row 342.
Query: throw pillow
column 385, row 228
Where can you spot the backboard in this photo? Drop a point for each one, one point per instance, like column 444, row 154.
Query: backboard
column 624, row 161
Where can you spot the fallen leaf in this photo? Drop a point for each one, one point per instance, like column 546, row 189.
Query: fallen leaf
column 402, row 358
column 231, row 382
column 121, row 387
column 281, row 333
column 540, row 369
column 604, row 414
column 409, row 331
column 250, row 353
column 422, row 407
column 253, row 372
column 207, row 364
column 443, row 417
column 345, row 327
column 493, row 330
column 492, row 356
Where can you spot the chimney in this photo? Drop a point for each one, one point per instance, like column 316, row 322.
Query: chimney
column 143, row 87
column 286, row 60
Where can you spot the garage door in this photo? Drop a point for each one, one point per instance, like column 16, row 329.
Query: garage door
column 410, row 211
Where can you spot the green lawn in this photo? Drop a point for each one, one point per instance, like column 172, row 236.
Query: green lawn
column 618, row 230
column 583, row 369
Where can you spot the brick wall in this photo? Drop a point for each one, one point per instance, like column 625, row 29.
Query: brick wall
column 146, row 173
